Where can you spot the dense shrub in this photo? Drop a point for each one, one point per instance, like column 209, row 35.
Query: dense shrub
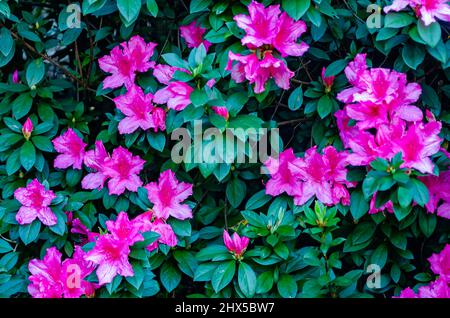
column 93, row 202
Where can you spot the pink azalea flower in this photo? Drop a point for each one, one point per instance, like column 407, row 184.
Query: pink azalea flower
column 159, row 119
column 427, row 10
column 79, row 228
column 125, row 60
column 123, row 168
column 439, row 191
column 260, row 26
column 282, row 178
column 45, row 278
column 111, row 256
column 327, row 80
column 27, row 128
column 167, row 195
column 15, row 77
column 124, row 230
column 323, row 176
column 407, row 293
column 221, row 111
column 440, row 263
column 166, row 234
column 71, row 149
column 288, row 31
column 193, row 35
column 138, row 109
column 175, row 95
column 437, row 289
column 418, row 143
column 164, row 73
column 73, row 272
column 235, row 244
column 35, row 200
column 95, row 159
column 378, row 95
column 259, row 71
column 52, row 279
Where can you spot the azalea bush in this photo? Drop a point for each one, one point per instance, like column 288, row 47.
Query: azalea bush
column 353, row 202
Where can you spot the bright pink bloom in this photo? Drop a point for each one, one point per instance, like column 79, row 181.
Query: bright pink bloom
column 164, row 73
column 138, row 109
column 73, row 272
column 387, row 206
column 52, row 279
column 125, row 60
column 288, row 31
column 418, row 143
column 35, row 200
column 438, row 187
column 111, row 256
column 221, row 111
column 437, row 289
column 323, row 176
column 71, row 149
column 282, row 178
column 124, row 230
column 175, row 95
column 27, row 128
column 123, row 168
column 235, row 244
column 440, row 263
column 378, row 95
column 80, row 228
column 193, row 35
column 166, row 234
column 45, row 281
column 15, row 77
column 260, row 26
column 407, row 293
column 211, row 83
column 427, row 10
column 327, row 80
column 259, row 71
column 95, row 159
column 167, row 195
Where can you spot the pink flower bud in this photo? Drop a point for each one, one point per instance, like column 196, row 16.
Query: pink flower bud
column 221, row 111
column 15, row 77
column 27, row 128
column 235, row 244
column 327, row 80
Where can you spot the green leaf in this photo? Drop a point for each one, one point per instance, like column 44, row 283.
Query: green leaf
column 21, row 105
column 379, row 255
column 42, row 143
column 35, row 72
column 5, row 247
column 27, row 155
column 420, row 192
column 287, row 287
column 257, row 200
column 152, row 7
column 156, row 140
column 129, row 9
column 324, row 106
column 198, row 97
column 28, row 233
column 199, row 5
column 170, row 276
column 264, row 283
column 431, row 34
column 296, row 8
column 413, row 55
column 247, row 280
column 358, row 204
column 404, row 197
column 7, row 42
column 223, row 275
column 335, row 68
column 427, row 223
column 235, row 191
column 398, row 20
column 295, row 99
column 174, row 60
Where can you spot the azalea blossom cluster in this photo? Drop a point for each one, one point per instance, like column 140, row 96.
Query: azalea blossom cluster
column 267, row 31
column 381, row 100
column 440, row 288
column 121, row 168
column 319, row 175
column 427, row 10
column 53, row 278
